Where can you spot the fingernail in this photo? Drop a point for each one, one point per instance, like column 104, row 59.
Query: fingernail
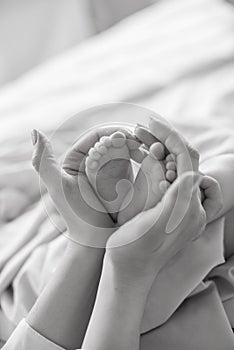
column 137, row 130
column 140, row 125
column 34, row 136
column 154, row 117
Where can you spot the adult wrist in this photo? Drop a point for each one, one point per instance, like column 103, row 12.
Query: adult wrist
column 136, row 285
column 117, row 314
column 77, row 251
column 88, row 235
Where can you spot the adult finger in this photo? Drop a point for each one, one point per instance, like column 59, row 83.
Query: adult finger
column 144, row 135
column 161, row 130
column 43, row 160
column 156, row 220
column 178, row 198
column 187, row 157
column 213, row 201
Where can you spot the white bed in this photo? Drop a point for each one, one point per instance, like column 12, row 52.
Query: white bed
column 175, row 57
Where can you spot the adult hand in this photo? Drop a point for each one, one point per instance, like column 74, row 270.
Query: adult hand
column 87, row 221
column 142, row 246
column 187, row 159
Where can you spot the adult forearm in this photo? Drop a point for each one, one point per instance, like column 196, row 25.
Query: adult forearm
column 62, row 311
column 116, row 319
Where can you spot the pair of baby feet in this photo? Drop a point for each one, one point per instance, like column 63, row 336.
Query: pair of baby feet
column 111, row 173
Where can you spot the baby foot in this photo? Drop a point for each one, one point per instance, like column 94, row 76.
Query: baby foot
column 156, row 174
column 109, row 170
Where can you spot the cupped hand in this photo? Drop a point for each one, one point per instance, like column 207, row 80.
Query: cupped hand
column 86, row 218
column 187, row 159
column 142, row 246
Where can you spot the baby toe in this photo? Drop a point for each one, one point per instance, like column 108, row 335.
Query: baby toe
column 164, row 185
column 170, row 157
column 93, row 154
column 118, row 139
column 106, row 141
column 91, row 164
column 171, row 166
column 157, row 151
column 171, row 175
column 100, row 148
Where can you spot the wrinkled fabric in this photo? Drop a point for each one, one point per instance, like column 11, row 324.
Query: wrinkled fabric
column 190, row 81
column 25, row 337
column 198, row 310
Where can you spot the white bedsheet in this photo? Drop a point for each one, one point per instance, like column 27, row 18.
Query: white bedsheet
column 175, row 57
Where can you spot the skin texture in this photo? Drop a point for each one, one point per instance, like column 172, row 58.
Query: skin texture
column 152, row 181
column 108, row 163
column 60, row 313
column 109, row 171
column 132, row 264
column 148, row 247
column 149, row 251
column 79, row 209
column 187, row 159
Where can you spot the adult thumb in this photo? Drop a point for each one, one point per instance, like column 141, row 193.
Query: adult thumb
column 43, row 160
column 177, row 199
